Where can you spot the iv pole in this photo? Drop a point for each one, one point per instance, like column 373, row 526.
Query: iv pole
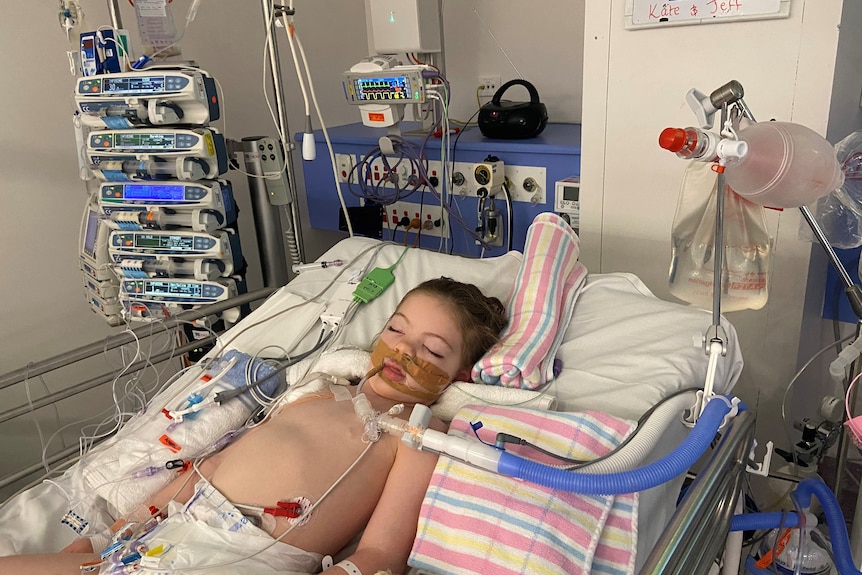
column 295, row 242
column 272, row 255
column 732, row 93
column 854, row 296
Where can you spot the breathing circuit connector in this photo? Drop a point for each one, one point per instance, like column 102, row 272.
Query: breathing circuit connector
column 838, row 367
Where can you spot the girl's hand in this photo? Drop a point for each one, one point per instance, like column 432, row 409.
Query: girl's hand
column 82, row 545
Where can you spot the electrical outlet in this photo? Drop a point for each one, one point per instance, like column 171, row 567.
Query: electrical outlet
column 462, row 180
column 435, row 170
column 433, row 219
column 488, row 85
column 344, row 164
column 527, row 184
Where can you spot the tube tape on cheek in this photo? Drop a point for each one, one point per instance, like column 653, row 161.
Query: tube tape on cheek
column 349, row 567
column 431, row 378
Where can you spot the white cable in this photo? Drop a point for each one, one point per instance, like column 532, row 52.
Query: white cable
column 33, row 412
column 444, row 163
column 309, row 152
column 289, row 28
column 342, row 270
column 117, row 405
column 325, row 137
column 266, row 65
column 509, row 215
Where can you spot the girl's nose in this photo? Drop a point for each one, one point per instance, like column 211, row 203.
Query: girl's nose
column 404, row 347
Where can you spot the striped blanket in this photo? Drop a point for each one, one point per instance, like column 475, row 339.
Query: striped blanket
column 475, row 522
column 539, row 309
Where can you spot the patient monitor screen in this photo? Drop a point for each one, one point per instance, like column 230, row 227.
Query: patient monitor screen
column 383, row 89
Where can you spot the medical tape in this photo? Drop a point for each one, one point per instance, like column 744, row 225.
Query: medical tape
column 428, row 376
column 74, row 522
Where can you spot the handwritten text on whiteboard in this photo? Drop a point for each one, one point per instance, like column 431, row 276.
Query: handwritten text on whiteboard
column 655, row 11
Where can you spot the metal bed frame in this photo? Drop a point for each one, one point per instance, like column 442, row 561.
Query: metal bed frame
column 689, row 544
column 94, row 349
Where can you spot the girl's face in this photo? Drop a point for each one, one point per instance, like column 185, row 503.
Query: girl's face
column 422, row 328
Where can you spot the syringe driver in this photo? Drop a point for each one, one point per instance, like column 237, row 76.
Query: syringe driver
column 147, row 98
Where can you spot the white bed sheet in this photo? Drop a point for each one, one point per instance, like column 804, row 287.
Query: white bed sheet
column 623, row 351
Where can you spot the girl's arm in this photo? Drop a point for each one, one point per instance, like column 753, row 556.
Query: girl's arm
column 389, row 535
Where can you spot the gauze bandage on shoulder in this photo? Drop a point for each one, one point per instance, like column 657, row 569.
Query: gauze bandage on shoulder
column 540, row 308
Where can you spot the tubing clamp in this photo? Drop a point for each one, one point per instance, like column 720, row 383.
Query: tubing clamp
column 762, row 468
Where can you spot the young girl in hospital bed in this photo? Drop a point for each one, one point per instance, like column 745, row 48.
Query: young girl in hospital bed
column 295, row 490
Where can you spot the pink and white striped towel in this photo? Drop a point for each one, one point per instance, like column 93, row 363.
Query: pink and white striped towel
column 540, row 308
column 477, row 522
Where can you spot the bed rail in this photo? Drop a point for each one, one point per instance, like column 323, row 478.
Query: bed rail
column 94, row 349
column 698, row 528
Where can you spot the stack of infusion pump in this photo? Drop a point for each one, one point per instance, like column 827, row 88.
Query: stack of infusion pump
column 161, row 235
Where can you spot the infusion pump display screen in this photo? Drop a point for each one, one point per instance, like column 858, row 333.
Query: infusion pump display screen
column 146, row 141
column 137, row 85
column 383, row 89
column 173, row 288
column 183, row 243
column 141, row 192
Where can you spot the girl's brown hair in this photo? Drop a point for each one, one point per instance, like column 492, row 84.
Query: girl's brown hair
column 479, row 318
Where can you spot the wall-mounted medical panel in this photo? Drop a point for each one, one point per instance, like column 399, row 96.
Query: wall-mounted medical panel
column 475, row 171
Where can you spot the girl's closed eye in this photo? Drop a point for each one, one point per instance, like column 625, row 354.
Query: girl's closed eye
column 392, row 329
column 433, row 353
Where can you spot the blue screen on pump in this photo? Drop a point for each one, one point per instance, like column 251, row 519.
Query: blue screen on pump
column 137, row 192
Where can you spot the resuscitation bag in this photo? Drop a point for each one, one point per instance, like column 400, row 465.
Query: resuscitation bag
column 839, row 213
column 747, row 245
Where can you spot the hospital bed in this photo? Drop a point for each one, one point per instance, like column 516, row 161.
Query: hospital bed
column 623, row 351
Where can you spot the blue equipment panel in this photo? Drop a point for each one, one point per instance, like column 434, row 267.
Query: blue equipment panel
column 558, row 149
column 835, row 303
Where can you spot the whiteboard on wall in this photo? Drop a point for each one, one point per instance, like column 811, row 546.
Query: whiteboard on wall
column 657, row 13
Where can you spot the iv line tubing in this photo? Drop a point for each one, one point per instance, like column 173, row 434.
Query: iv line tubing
column 96, row 348
column 99, row 380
